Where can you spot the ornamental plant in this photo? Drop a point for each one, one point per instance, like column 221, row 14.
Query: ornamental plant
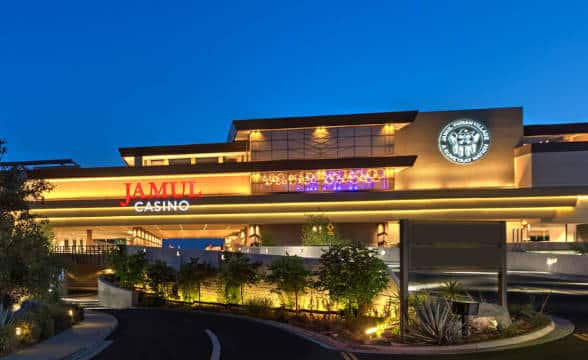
column 352, row 275
column 435, row 323
column 160, row 276
column 236, row 271
column 315, row 232
column 453, row 290
column 289, row 275
column 130, row 269
column 27, row 267
column 192, row 275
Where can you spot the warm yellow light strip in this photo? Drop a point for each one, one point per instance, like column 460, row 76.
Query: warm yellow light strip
column 191, row 155
column 327, row 203
column 140, row 177
column 303, row 213
column 398, row 126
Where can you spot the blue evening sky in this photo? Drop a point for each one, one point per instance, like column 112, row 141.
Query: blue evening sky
column 80, row 78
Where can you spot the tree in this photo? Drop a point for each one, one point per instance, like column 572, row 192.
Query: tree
column 159, row 276
column 316, row 232
column 27, row 267
column 192, row 275
column 352, row 275
column 130, row 269
column 236, row 271
column 289, row 275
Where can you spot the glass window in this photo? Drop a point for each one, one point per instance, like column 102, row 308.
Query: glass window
column 184, row 161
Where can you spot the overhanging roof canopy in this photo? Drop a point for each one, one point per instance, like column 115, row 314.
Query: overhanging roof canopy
column 323, row 120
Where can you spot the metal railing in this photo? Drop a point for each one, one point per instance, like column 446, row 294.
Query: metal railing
column 84, row 249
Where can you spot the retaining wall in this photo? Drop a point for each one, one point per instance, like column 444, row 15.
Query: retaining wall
column 552, row 263
column 114, row 297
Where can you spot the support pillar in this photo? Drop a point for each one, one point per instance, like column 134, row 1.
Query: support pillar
column 502, row 272
column 89, row 238
column 404, row 269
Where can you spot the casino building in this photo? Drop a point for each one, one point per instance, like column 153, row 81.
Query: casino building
column 364, row 172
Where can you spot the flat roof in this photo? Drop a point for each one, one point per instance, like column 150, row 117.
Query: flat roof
column 555, row 129
column 236, row 146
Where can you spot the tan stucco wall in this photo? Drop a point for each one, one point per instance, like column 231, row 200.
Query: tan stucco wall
column 524, row 170
column 560, row 168
column 433, row 171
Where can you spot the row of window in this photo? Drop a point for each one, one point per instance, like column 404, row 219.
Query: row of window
column 333, row 143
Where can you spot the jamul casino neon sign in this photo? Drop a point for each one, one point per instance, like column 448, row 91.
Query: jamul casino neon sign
column 164, row 196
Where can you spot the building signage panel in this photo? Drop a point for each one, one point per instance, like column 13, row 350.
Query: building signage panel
column 165, row 196
column 327, row 180
column 464, row 141
column 456, row 245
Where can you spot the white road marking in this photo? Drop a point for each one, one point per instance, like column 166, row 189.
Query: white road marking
column 216, row 347
column 348, row 356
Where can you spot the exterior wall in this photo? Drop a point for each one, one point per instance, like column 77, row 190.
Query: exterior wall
column 524, row 170
column 364, row 233
column 568, row 168
column 433, row 171
column 175, row 258
column 553, row 263
column 282, row 234
column 109, row 188
column 582, row 232
column 291, row 234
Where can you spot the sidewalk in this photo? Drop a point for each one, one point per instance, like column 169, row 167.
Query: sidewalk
column 79, row 342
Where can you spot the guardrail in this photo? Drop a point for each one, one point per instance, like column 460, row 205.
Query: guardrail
column 89, row 255
column 84, row 250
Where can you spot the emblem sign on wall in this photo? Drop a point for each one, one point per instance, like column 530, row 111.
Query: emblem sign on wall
column 464, row 141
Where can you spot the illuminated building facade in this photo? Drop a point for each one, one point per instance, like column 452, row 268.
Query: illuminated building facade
column 363, row 172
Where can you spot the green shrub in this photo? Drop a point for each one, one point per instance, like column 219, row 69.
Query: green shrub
column 258, row 306
column 60, row 316
column 8, row 340
column 353, row 276
column 453, row 290
column 290, row 277
column 160, row 277
column 235, row 272
column 130, row 269
column 435, row 323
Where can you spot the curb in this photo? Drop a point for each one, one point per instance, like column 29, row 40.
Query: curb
column 537, row 337
column 88, row 352
column 83, row 353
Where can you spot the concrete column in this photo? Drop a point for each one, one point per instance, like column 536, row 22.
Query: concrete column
column 404, row 269
column 89, row 239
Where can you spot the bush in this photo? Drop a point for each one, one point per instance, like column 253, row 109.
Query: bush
column 192, row 276
column 8, row 340
column 160, row 276
column 45, row 320
column 128, row 268
column 289, row 275
column 236, row 271
column 352, row 275
column 258, row 306
column 435, row 323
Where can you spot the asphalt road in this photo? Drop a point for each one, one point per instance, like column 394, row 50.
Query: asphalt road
column 167, row 334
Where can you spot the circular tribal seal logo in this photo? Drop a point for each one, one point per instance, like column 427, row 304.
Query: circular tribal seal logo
column 464, row 141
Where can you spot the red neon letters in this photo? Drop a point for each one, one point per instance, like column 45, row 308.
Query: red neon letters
column 163, row 190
